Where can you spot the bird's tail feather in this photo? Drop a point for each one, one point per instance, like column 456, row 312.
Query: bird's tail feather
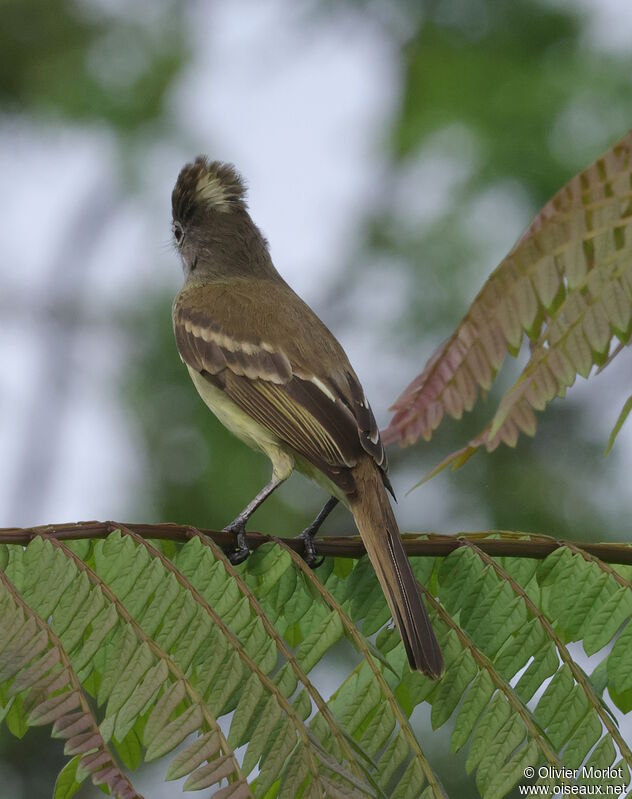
column 375, row 520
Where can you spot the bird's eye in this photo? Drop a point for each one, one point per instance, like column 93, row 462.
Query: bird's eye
column 178, row 233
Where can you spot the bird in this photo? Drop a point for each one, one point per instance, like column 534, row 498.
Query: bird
column 276, row 377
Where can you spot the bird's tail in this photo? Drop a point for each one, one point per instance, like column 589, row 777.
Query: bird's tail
column 375, row 520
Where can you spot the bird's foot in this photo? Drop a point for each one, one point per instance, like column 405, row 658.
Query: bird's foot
column 310, row 555
column 239, row 552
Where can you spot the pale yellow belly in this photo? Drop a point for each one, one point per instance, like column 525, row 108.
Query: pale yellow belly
column 258, row 437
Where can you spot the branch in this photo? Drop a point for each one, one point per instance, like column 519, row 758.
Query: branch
column 493, row 542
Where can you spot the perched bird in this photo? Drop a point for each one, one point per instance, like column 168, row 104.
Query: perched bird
column 275, row 376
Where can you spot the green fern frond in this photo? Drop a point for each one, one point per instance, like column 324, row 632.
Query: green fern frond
column 175, row 649
column 40, row 687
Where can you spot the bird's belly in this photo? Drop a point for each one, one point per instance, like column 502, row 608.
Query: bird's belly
column 255, row 435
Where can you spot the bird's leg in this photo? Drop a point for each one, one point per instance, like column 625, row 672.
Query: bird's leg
column 308, row 534
column 237, row 527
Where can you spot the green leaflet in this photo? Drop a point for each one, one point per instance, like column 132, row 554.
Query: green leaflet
column 572, row 708
column 302, row 600
column 392, row 758
column 15, row 567
column 209, row 774
column 275, row 597
column 238, row 616
column 496, row 619
column 621, row 419
column 129, row 750
column 356, row 699
column 545, row 663
column 365, row 594
column 511, row 772
column 377, row 613
column 206, row 664
column 604, row 622
column 575, row 586
column 518, row 648
column 268, row 563
column 411, row 782
column 47, row 575
column 510, row 736
column 303, row 705
column 452, row 687
column 275, row 754
column 620, row 662
column 139, row 699
column 257, row 644
column 378, row 729
column 228, row 677
column 175, row 732
column 16, row 718
column 286, row 680
column 262, row 734
column 146, row 583
column 118, row 653
column 84, row 615
column 476, row 699
column 72, row 604
column 521, row 569
column 294, row 774
column 493, row 719
column 583, row 738
column 153, row 614
column 162, row 710
column 66, row 784
column 251, row 700
column 119, row 562
column 101, row 625
column 177, row 618
column 602, row 757
column 557, row 691
column 197, row 630
column 319, row 641
column 457, row 578
column 187, row 760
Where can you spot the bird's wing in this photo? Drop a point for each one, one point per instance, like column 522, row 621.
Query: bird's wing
column 243, row 341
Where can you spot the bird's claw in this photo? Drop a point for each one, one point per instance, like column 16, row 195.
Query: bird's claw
column 310, row 555
column 239, row 552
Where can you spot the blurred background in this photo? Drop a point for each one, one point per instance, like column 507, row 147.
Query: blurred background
column 395, row 150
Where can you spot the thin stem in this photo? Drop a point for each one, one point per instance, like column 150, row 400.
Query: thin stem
column 496, row 543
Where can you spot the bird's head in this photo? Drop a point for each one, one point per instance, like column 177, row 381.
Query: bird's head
column 211, row 225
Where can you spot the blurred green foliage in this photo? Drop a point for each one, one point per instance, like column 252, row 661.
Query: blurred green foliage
column 76, row 60
column 502, row 69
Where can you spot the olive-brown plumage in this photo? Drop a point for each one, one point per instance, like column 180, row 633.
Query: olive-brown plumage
column 276, row 376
